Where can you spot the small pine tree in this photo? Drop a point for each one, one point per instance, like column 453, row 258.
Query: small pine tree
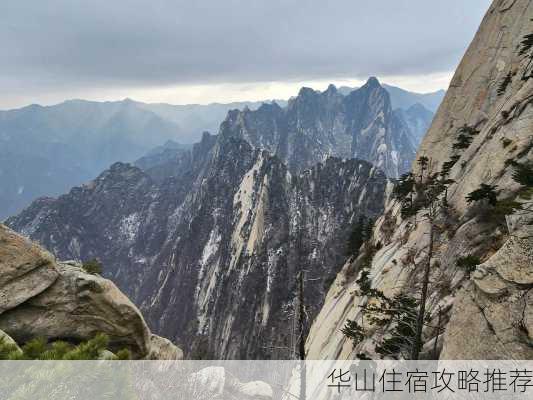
column 504, row 83
column 353, row 331
column 58, row 350
column 404, row 186
column 485, row 192
column 526, row 44
column 369, row 229
column 40, row 349
column 9, row 351
column 423, row 163
column 463, row 142
column 402, row 315
column 123, row 354
column 448, row 165
column 468, row 263
column 523, row 173
column 364, row 283
column 469, row 130
column 34, row 349
column 506, row 207
column 357, row 237
column 93, row 267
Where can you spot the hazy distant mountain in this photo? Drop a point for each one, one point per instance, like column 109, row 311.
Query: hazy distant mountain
column 210, row 252
column 193, row 119
column 47, row 150
column 418, row 119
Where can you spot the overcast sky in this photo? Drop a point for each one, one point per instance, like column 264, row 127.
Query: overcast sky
column 198, row 51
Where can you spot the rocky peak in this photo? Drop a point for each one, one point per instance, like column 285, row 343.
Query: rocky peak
column 316, row 125
column 372, row 83
column 418, row 108
column 306, row 93
column 233, row 220
column 331, row 90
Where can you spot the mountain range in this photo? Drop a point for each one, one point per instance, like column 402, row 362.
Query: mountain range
column 293, row 223
column 44, row 151
column 208, row 241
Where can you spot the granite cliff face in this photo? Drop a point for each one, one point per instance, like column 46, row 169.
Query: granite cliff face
column 318, row 125
column 41, row 297
column 209, row 242
column 487, row 314
column 211, row 252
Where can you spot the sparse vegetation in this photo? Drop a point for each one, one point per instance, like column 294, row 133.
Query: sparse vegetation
column 523, row 173
column 353, row 331
column 40, row 349
column 526, row 44
column 404, row 186
column 502, row 87
column 361, row 232
column 468, row 263
column 486, row 193
column 469, row 130
column 506, row 142
column 398, row 313
column 93, row 267
column 463, row 142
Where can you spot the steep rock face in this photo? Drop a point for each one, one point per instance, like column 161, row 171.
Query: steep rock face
column 45, row 298
column 211, row 254
column 487, row 316
column 317, row 125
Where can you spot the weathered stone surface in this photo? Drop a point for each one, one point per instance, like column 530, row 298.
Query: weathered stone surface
column 78, row 306
column 74, row 306
column 489, row 282
column 163, row 349
column 514, row 261
column 496, row 309
column 25, row 269
column 470, row 335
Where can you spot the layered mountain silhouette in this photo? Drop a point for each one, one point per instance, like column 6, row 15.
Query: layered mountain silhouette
column 208, row 241
column 44, row 151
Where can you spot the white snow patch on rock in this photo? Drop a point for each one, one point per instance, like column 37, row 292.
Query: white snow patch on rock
column 129, row 226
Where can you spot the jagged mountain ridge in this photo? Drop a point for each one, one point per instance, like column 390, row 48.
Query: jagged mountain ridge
column 210, row 252
column 44, row 151
column 486, row 315
column 317, row 125
column 243, row 209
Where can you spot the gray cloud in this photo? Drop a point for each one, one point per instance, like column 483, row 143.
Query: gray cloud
column 46, row 45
